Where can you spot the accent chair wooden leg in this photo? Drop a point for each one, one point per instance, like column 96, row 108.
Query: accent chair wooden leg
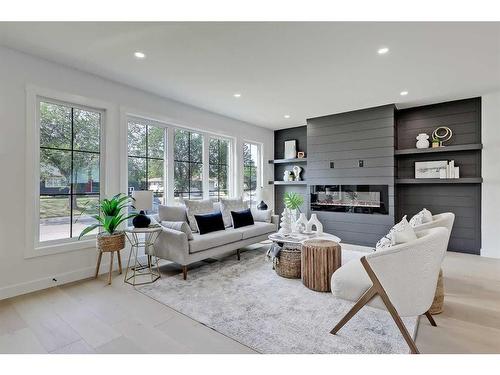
column 390, row 307
column 119, row 262
column 111, row 253
column 98, row 264
column 365, row 298
column 431, row 319
column 184, row 272
column 238, row 254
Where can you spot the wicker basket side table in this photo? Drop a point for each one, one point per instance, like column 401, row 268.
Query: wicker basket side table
column 320, row 259
column 287, row 263
column 437, row 304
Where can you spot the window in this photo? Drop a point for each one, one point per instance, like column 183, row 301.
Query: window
column 218, row 168
column 251, row 164
column 188, row 165
column 70, row 168
column 146, row 159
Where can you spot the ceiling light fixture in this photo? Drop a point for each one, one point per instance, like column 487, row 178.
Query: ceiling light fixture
column 139, row 55
column 403, row 93
column 383, row 50
column 286, row 116
column 237, row 95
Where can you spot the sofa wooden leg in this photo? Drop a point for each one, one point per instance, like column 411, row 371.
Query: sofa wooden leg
column 238, row 254
column 431, row 319
column 184, row 272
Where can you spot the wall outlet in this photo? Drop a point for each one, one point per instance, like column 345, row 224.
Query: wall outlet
column 361, row 163
column 332, row 164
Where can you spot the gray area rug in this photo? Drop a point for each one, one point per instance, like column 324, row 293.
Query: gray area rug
column 248, row 302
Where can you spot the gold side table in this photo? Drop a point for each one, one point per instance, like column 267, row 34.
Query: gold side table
column 140, row 273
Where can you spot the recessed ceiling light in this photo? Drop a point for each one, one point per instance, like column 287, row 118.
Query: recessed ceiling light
column 237, row 95
column 286, row 116
column 139, row 55
column 383, row 50
column 403, row 93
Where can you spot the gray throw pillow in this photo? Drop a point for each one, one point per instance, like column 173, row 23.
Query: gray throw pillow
column 172, row 213
column 197, row 208
column 181, row 226
column 231, row 204
column 262, row 215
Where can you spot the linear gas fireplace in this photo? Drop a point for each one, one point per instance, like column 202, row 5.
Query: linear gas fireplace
column 359, row 199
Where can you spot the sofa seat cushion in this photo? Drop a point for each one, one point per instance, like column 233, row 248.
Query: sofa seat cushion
column 257, row 229
column 201, row 242
column 350, row 281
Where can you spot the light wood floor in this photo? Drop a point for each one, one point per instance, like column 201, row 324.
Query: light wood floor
column 92, row 317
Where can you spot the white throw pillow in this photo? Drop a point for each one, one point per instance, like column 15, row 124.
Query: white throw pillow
column 172, row 213
column 262, row 215
column 181, row 226
column 420, row 218
column 402, row 232
column 399, row 233
column 231, row 204
column 197, row 208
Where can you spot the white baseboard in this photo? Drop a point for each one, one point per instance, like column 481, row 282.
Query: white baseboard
column 60, row 279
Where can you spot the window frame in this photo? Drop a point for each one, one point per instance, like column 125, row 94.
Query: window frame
column 148, row 123
column 259, row 168
column 34, row 96
column 218, row 164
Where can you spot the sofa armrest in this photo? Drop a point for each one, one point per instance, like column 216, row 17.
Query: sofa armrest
column 172, row 245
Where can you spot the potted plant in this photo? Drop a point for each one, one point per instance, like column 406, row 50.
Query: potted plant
column 293, row 201
column 109, row 218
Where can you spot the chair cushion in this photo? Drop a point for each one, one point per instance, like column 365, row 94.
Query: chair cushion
column 207, row 241
column 227, row 205
column 242, row 218
column 211, row 222
column 350, row 281
column 172, row 213
column 257, row 229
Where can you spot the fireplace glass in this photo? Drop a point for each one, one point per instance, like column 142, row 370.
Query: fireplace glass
column 360, row 199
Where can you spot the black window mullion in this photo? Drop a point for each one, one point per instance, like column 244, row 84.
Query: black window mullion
column 71, row 186
column 147, row 158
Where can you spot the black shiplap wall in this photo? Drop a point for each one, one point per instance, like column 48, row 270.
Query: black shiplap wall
column 464, row 118
column 345, row 139
column 280, row 136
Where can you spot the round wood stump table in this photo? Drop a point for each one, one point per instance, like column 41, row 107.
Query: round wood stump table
column 320, row 259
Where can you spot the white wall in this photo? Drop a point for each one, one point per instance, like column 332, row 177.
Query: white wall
column 490, row 217
column 17, row 70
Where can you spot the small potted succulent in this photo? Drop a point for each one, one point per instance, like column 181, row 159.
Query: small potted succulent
column 109, row 218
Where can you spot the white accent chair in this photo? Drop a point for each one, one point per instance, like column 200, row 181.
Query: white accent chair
column 401, row 279
column 445, row 220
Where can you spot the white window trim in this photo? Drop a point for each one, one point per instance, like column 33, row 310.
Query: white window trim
column 126, row 113
column 34, row 248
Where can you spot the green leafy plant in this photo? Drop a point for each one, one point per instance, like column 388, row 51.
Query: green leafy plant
column 110, row 214
column 293, row 201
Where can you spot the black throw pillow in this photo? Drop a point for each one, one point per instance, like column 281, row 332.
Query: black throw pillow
column 210, row 222
column 242, row 218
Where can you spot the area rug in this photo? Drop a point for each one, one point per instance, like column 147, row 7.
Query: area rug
column 247, row 301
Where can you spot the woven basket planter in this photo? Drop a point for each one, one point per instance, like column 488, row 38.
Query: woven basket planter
column 437, row 304
column 114, row 242
column 287, row 263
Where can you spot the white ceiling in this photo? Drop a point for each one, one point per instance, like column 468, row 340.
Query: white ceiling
column 301, row 69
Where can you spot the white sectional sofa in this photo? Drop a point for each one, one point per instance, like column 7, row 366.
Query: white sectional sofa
column 174, row 245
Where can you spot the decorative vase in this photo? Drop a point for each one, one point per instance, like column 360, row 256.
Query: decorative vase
column 301, row 223
column 262, row 206
column 422, row 140
column 286, row 223
column 314, row 222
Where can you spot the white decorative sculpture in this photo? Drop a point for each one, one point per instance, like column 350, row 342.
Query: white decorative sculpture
column 297, row 171
column 301, row 223
column 314, row 222
column 287, row 176
column 286, row 223
column 422, row 140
